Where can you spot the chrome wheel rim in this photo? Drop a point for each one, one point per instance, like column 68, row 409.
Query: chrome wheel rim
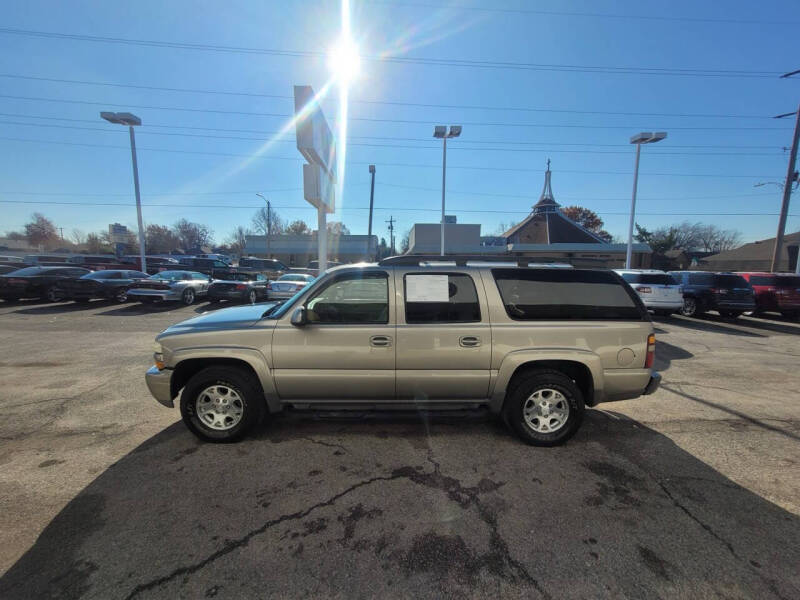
column 219, row 407
column 53, row 295
column 252, row 297
column 188, row 296
column 689, row 307
column 546, row 410
column 122, row 297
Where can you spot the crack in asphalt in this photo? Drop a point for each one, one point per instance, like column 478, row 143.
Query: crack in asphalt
column 453, row 488
column 245, row 540
column 321, row 443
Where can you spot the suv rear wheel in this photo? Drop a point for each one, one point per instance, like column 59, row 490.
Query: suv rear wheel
column 691, row 307
column 220, row 404
column 544, row 407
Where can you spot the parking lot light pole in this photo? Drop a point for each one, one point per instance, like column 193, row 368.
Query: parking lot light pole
column 441, row 131
column 787, row 194
column 645, row 137
column 125, row 118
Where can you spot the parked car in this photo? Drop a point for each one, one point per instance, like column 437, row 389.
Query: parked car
column 658, row 290
column 37, row 282
column 209, row 266
column 11, row 259
column 270, row 267
column 46, row 259
column 177, row 286
column 109, row 284
column 239, row 287
column 727, row 293
column 776, row 292
column 155, row 264
column 9, row 268
column 288, row 285
column 314, row 264
column 221, row 257
column 532, row 344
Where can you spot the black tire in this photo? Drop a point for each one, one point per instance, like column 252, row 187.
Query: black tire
column 691, row 307
column 120, row 296
column 188, row 296
column 252, row 297
column 242, row 383
column 53, row 294
column 542, row 380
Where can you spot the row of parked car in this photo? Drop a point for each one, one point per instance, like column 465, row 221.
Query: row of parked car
column 58, row 283
column 693, row 293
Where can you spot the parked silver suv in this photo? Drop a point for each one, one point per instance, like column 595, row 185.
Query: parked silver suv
column 533, row 344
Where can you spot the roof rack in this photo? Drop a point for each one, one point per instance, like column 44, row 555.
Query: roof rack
column 461, row 260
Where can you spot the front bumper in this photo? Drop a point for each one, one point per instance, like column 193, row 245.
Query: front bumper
column 158, row 382
column 157, row 294
column 652, row 386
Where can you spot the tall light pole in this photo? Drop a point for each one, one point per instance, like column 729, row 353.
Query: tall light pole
column 787, row 189
column 269, row 219
column 126, row 118
column 441, row 131
column 645, row 137
column 371, row 199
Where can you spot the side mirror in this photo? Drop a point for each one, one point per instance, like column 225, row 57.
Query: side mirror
column 299, row 317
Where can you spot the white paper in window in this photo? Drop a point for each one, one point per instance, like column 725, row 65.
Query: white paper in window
column 427, row 288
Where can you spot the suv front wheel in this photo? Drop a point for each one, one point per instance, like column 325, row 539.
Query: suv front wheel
column 545, row 407
column 220, row 404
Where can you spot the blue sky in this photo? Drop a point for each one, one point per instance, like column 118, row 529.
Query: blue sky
column 709, row 164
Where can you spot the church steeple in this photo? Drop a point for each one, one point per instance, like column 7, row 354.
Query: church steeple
column 546, row 203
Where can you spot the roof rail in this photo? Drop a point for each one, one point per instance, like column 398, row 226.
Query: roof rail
column 461, row 260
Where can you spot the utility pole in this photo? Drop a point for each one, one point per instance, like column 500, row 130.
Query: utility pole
column 787, row 191
column 371, row 199
column 269, row 220
column 62, row 232
column 391, row 222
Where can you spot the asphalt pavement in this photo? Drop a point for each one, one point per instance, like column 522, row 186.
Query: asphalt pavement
column 690, row 492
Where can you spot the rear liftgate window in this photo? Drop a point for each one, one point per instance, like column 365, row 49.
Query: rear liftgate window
column 569, row 294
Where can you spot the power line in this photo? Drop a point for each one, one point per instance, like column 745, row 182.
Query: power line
column 391, row 146
column 401, row 59
column 369, row 119
column 382, row 208
column 387, row 102
column 394, row 138
column 406, row 165
column 561, row 13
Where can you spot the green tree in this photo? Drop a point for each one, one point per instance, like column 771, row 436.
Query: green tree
column 588, row 219
column 159, row 239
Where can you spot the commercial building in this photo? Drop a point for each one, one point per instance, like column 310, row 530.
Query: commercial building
column 298, row 250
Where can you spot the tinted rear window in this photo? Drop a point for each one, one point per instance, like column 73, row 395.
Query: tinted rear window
column 788, row 282
column 701, row 279
column 566, row 294
column 651, row 278
column 730, row 281
column 763, row 280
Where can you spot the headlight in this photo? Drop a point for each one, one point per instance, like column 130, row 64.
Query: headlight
column 158, row 356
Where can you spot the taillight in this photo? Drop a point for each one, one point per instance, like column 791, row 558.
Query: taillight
column 644, row 290
column 651, row 351
column 240, row 286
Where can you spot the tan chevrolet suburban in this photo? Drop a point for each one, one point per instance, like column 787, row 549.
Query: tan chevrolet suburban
column 533, row 344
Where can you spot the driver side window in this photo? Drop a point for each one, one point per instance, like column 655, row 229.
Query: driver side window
column 354, row 298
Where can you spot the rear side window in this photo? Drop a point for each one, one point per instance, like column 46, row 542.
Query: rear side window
column 730, row 281
column 566, row 294
column 787, row 281
column 441, row 298
column 701, row 279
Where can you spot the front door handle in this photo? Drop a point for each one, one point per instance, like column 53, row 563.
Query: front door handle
column 380, row 341
column 469, row 341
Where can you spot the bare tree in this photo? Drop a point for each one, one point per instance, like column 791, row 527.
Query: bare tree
column 260, row 221
column 298, row 227
column 40, row 230
column 237, row 240
column 191, row 234
column 78, row 237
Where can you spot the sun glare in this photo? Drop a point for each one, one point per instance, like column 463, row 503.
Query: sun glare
column 344, row 61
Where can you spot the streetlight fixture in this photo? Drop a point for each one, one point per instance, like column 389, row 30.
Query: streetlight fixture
column 645, row 137
column 441, row 131
column 126, row 118
column 269, row 220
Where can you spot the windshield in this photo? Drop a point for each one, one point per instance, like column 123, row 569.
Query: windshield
column 730, row 281
column 278, row 311
column 102, row 275
column 27, row 271
column 303, row 278
column 170, row 276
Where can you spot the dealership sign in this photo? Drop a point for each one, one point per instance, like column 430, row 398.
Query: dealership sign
column 317, row 145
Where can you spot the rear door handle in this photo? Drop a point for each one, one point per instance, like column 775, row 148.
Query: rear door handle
column 469, row 341
column 380, row 341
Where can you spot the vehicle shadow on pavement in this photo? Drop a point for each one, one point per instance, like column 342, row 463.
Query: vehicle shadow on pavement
column 718, row 325
column 666, row 353
column 137, row 308
column 63, row 307
column 418, row 507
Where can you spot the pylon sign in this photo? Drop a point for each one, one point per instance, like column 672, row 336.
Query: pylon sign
column 318, row 146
